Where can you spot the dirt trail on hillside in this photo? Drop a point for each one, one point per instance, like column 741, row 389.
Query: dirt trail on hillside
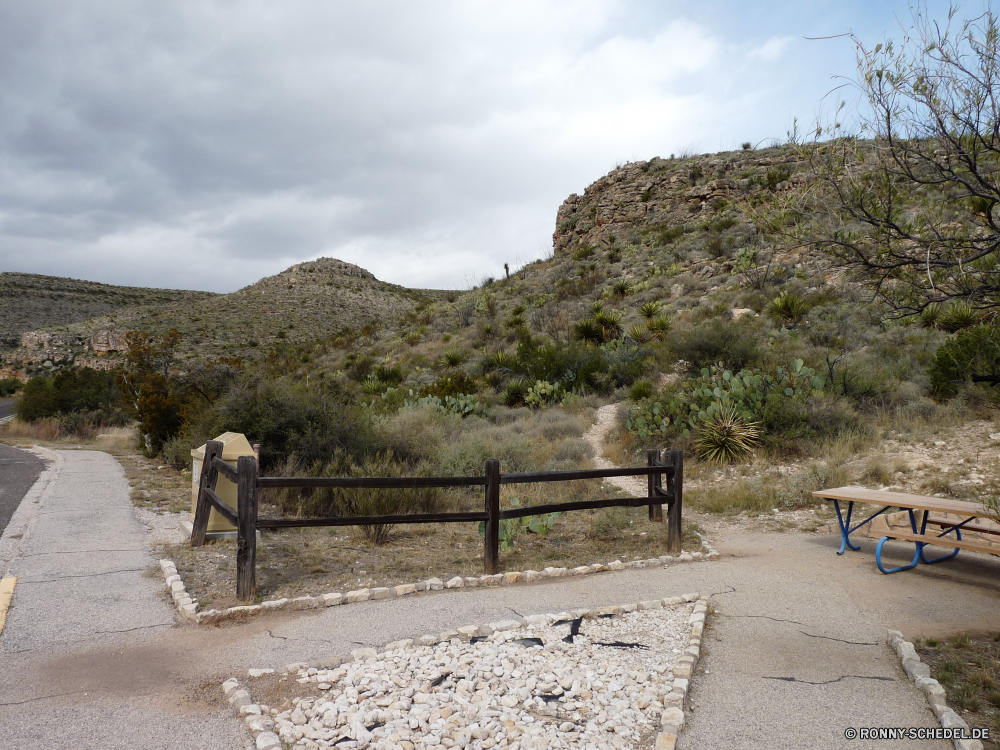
column 603, row 421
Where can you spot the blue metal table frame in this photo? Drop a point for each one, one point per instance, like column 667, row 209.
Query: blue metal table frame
column 846, row 529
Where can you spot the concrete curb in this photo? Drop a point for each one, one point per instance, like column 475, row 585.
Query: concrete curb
column 187, row 607
column 261, row 726
column 920, row 674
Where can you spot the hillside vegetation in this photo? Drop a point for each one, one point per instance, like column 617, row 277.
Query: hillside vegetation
column 30, row 302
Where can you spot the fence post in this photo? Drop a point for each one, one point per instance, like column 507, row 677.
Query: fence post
column 246, row 530
column 202, row 507
column 675, row 459
column 655, row 483
column 491, row 554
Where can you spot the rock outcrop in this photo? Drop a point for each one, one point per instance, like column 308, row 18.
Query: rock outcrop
column 646, row 195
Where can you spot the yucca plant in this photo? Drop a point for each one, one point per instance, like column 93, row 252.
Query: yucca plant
column 621, row 288
column 610, row 323
column 725, row 436
column 514, row 392
column 958, row 316
column 515, row 321
column 639, row 333
column 649, row 309
column 588, row 331
column 453, row 356
column 487, row 331
column 596, row 308
column 930, row 316
column 659, row 326
column 499, row 361
column 787, row 307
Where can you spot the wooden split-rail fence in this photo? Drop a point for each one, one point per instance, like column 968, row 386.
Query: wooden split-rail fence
column 664, row 472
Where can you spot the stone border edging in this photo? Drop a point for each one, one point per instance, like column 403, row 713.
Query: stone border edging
column 260, row 726
column 187, row 607
column 920, row 674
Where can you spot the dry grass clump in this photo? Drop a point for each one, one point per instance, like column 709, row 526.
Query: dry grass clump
column 968, row 667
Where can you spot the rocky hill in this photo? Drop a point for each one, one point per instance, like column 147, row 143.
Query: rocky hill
column 305, row 302
column 657, row 199
column 30, row 302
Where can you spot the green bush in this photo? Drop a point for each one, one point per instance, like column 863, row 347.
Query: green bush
column 287, row 420
column 972, row 355
column 737, row 344
column 74, row 390
column 10, row 386
column 748, row 392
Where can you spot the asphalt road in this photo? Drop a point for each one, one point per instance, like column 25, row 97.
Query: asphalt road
column 7, row 407
column 18, row 471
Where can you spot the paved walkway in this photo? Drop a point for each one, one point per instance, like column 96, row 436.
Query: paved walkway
column 92, row 656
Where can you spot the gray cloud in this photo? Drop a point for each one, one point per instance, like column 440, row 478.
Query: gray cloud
column 141, row 142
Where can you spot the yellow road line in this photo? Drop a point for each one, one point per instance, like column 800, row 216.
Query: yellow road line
column 6, row 594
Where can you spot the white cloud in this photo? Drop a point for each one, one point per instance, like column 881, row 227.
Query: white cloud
column 772, row 49
column 428, row 142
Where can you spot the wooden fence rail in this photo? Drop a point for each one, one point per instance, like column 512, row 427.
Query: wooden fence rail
column 667, row 465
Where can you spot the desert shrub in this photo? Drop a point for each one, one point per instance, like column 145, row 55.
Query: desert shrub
column 737, row 344
column 288, row 420
column 451, row 385
column 640, row 389
column 417, row 433
column 10, row 386
column 553, row 424
column 573, row 451
column 338, row 501
column 468, row 456
column 610, row 523
column 749, row 392
column 971, row 355
column 957, row 316
column 72, row 390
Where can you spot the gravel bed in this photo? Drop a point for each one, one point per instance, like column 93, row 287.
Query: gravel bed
column 607, row 679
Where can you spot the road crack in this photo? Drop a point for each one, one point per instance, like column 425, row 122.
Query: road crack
column 830, row 682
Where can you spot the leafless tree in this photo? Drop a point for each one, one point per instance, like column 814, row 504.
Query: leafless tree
column 911, row 200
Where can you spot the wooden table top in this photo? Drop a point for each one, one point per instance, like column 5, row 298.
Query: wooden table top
column 904, row 500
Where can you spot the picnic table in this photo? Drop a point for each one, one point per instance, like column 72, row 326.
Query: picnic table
column 927, row 530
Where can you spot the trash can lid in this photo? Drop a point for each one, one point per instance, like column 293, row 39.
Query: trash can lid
column 234, row 445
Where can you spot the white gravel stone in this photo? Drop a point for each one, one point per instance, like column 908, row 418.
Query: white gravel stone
column 332, row 599
column 274, row 604
column 435, row 584
column 504, row 690
column 405, row 589
column 382, row 592
column 268, row 741
column 455, row 583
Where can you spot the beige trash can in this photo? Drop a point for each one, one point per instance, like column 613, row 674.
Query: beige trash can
column 234, row 445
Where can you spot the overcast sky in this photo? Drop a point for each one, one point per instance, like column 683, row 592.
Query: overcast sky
column 144, row 142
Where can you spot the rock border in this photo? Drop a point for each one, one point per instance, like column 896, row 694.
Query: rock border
column 261, row 726
column 920, row 675
column 187, row 606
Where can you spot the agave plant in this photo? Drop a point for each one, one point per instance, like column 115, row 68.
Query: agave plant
column 610, row 323
column 588, row 331
column 649, row 309
column 725, row 436
column 787, row 307
column 958, row 316
column 659, row 326
column 639, row 333
column 453, row 356
column 621, row 288
column 372, row 386
column 514, row 392
column 499, row 361
column 930, row 316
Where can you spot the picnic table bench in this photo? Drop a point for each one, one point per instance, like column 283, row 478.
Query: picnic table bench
column 928, row 530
